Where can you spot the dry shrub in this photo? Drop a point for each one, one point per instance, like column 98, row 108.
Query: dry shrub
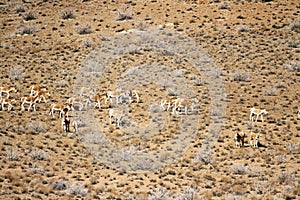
column 203, row 157
column 224, row 5
column 77, row 190
column 38, row 154
column 29, row 16
column 17, row 72
column 67, row 14
column 239, row 169
column 84, row 29
column 240, row 76
column 36, row 127
column 26, row 29
column 19, row 8
column 293, row 67
column 12, row 154
column 286, row 177
column 87, row 43
column 242, row 28
column 59, row 185
column 161, row 194
column 124, row 13
column 295, row 25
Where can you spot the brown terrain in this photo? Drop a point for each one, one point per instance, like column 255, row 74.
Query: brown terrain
column 230, row 55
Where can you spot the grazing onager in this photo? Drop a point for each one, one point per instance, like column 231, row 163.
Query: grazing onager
column 114, row 95
column 257, row 112
column 134, row 94
column 42, row 95
column 117, row 115
column 239, row 139
column 254, row 140
column 31, row 101
column 7, row 90
column 98, row 98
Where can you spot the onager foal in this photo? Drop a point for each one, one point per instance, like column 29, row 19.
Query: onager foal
column 254, row 140
column 257, row 112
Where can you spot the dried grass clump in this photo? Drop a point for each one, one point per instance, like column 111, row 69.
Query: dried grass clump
column 240, row 76
column 84, row 29
column 67, row 14
column 59, row 185
column 203, row 157
column 26, row 29
column 29, row 16
column 77, row 190
column 295, row 25
column 286, row 177
column 38, row 154
column 124, row 13
column 224, row 5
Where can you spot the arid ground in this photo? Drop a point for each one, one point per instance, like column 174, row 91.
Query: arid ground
column 229, row 55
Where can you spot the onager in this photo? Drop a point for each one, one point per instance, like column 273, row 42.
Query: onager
column 62, row 108
column 35, row 89
column 8, row 102
column 66, row 122
column 117, row 115
column 257, row 112
column 42, row 95
column 114, row 95
column 254, row 140
column 134, row 94
column 31, row 101
column 7, row 90
column 183, row 103
column 239, row 139
column 98, row 98
column 168, row 102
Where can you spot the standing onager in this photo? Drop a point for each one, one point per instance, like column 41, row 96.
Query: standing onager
column 8, row 102
column 35, row 89
column 29, row 100
column 62, row 108
column 239, row 139
column 117, row 115
column 257, row 112
column 7, row 90
column 114, row 95
column 254, row 140
column 66, row 122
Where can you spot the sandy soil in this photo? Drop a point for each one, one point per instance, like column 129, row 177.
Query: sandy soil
column 249, row 47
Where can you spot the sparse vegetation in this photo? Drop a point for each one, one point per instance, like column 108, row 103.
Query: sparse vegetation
column 36, row 127
column 59, row 185
column 295, row 25
column 17, row 73
column 77, row 189
column 12, row 154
